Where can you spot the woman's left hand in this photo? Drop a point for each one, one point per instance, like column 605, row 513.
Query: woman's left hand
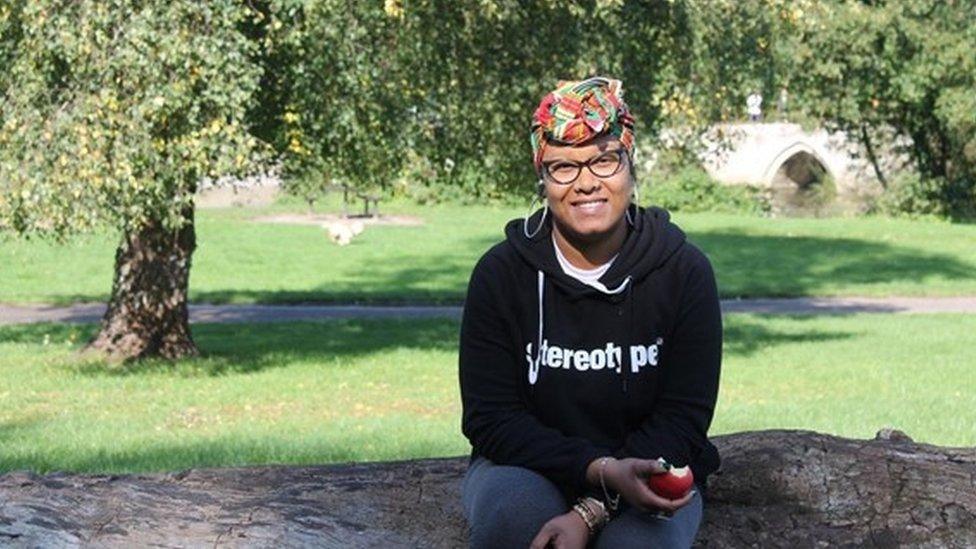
column 567, row 531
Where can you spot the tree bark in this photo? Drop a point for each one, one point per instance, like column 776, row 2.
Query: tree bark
column 147, row 315
column 791, row 489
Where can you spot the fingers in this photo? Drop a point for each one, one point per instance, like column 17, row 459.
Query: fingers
column 649, row 500
column 647, row 467
column 541, row 540
column 670, row 505
column 640, row 493
column 675, row 504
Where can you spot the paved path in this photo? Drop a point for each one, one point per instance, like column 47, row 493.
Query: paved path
column 91, row 312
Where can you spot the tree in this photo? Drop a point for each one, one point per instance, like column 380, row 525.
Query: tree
column 440, row 93
column 892, row 74
column 905, row 66
column 345, row 119
column 112, row 112
column 776, row 488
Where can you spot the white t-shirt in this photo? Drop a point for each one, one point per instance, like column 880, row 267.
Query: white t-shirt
column 589, row 277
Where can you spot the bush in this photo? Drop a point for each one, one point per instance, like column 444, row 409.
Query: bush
column 690, row 189
column 913, row 196
column 425, row 182
column 817, row 199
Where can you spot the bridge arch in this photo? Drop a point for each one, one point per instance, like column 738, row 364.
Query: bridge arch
column 799, row 164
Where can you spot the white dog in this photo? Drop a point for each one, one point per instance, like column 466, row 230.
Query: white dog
column 341, row 232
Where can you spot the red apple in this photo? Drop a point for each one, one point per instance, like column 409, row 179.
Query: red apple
column 673, row 483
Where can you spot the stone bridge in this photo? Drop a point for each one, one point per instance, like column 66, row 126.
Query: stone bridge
column 783, row 155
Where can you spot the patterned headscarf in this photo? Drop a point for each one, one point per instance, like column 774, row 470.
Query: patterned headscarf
column 578, row 111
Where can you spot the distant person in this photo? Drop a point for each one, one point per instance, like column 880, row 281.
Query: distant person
column 754, row 106
column 590, row 346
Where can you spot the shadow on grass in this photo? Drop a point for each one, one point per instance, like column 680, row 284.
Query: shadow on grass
column 17, row 428
column 747, row 265
column 750, row 265
column 232, row 349
column 400, row 279
column 221, row 451
column 745, row 335
column 252, row 347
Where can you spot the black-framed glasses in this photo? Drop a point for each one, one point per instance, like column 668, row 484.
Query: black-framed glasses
column 604, row 165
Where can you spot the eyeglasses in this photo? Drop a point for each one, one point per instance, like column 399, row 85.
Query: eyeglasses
column 605, row 165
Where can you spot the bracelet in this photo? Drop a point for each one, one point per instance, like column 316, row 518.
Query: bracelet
column 592, row 512
column 584, row 512
column 598, row 509
column 612, row 503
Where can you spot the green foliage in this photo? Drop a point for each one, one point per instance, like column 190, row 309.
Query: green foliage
column 270, row 25
column 736, row 47
column 871, row 69
column 347, row 119
column 904, row 65
column 431, row 99
column 912, row 196
column 690, row 189
column 113, row 111
column 819, row 197
column 416, row 96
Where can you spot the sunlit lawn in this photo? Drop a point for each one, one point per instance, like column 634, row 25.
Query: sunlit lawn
column 341, row 391
column 242, row 261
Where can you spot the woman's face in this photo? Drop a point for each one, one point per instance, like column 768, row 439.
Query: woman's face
column 592, row 206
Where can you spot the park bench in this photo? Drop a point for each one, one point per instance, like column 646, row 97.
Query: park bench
column 350, row 194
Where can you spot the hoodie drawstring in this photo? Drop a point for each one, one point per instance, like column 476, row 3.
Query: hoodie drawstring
column 534, row 370
column 537, row 361
column 618, row 289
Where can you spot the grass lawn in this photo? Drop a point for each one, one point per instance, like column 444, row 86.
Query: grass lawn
column 339, row 391
column 240, row 261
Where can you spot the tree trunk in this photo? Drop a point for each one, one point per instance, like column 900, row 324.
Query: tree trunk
column 792, row 489
column 147, row 314
column 866, row 139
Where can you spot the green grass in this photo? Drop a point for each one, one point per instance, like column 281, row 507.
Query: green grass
column 240, row 261
column 304, row 393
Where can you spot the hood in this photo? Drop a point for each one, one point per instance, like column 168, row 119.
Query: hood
column 649, row 244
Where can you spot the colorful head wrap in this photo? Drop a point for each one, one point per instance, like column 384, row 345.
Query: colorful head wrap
column 578, row 111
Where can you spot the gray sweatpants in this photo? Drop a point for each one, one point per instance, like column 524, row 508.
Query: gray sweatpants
column 506, row 507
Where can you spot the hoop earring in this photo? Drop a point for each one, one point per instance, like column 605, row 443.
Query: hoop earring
column 542, row 221
column 635, row 203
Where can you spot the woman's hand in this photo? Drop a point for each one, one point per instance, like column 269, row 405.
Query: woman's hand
column 628, row 477
column 566, row 531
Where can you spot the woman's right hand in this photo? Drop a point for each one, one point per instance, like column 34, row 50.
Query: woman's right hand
column 629, row 476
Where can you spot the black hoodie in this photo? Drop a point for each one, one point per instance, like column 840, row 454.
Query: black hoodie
column 555, row 373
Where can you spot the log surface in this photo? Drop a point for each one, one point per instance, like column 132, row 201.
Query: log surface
column 775, row 489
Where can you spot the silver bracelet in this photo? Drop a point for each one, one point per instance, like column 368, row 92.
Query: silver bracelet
column 612, row 503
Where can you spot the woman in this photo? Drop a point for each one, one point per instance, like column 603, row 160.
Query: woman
column 590, row 348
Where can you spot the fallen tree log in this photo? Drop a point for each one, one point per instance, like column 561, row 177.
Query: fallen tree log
column 775, row 489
